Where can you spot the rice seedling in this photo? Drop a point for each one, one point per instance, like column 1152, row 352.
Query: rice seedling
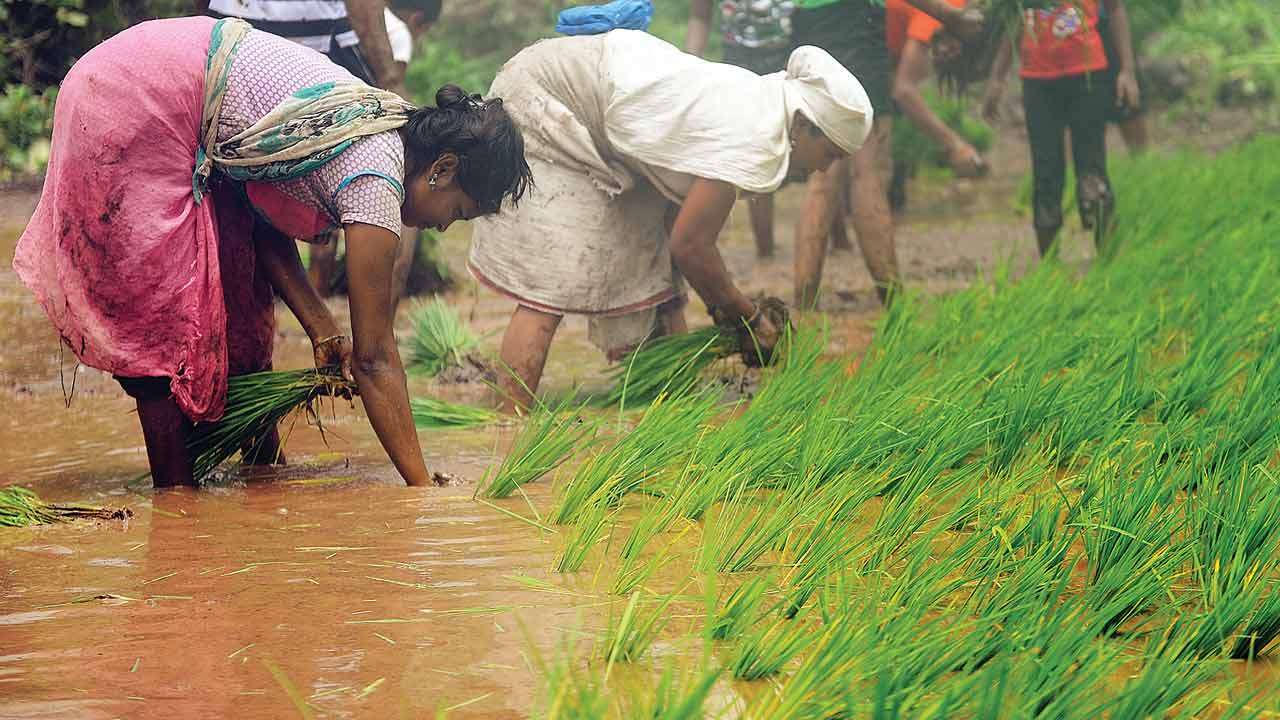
column 256, row 403
column 679, row 695
column 550, row 436
column 630, row 637
column 669, row 365
column 589, row 529
column 1261, row 630
column 20, row 507
column 1018, row 480
column 656, row 440
column 440, row 339
column 739, row 611
column 430, row 413
column 768, row 649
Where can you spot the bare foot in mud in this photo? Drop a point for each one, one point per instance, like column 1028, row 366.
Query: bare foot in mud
column 473, row 369
column 440, row 479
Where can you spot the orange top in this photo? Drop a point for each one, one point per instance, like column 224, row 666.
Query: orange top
column 902, row 21
column 1063, row 41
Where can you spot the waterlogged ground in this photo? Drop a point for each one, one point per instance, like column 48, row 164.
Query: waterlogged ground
column 328, row 589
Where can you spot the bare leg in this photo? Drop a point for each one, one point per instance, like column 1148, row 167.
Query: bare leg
column 524, row 354
column 165, row 430
column 323, row 262
column 872, row 218
column 820, row 207
column 839, row 232
column 760, row 210
column 671, row 319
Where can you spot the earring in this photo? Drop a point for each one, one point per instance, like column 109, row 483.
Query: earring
column 432, row 181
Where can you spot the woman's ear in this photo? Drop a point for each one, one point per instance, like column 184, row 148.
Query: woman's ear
column 444, row 170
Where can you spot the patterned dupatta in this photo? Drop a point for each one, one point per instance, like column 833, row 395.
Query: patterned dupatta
column 306, row 130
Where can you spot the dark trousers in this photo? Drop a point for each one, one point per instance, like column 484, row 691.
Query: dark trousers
column 1078, row 103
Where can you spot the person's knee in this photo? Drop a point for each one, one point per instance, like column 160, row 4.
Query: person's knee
column 1096, row 198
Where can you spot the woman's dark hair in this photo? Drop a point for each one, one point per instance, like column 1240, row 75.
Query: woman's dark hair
column 973, row 64
column 489, row 147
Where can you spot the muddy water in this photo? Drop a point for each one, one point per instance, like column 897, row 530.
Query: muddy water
column 325, row 589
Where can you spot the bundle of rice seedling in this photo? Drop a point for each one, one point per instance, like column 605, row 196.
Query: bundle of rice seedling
column 431, row 413
column 440, row 339
column 19, row 507
column 670, row 364
column 255, row 404
column 549, row 437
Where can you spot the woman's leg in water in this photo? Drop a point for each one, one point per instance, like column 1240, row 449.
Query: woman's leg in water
column 165, row 430
column 524, row 355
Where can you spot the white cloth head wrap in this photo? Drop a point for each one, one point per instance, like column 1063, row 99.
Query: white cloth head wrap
column 829, row 95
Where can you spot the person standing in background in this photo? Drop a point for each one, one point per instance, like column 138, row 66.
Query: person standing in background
column 854, row 32
column 1064, row 87
column 756, row 35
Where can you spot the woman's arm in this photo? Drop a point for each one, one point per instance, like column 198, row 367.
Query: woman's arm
column 371, row 253
column 996, row 81
column 1126, row 75
column 695, row 37
column 912, row 70
column 693, row 245
column 967, row 22
column 693, row 249
column 278, row 257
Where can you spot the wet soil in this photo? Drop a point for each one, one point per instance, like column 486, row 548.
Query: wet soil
column 328, row 589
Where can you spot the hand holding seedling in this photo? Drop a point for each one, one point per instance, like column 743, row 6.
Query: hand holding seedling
column 334, row 352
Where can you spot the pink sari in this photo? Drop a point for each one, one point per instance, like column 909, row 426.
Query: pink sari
column 139, row 280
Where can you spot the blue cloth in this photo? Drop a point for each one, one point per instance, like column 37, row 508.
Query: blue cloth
column 596, row 19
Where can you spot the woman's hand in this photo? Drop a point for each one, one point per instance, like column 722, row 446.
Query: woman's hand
column 759, row 343
column 333, row 351
column 966, row 161
column 1127, row 93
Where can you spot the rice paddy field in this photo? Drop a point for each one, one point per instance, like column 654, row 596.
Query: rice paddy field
column 1047, row 494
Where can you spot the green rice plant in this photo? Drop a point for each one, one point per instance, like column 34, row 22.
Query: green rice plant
column 589, row 529
column 630, row 636
column 768, row 649
column 680, row 695
column 20, row 507
column 1262, row 628
column 1165, row 683
column 440, row 339
column 569, row 693
column 670, row 365
column 256, row 403
column 659, row 437
column 550, row 436
column 1133, row 542
column 739, row 611
column 430, row 413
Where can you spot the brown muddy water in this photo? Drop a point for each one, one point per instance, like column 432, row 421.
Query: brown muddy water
column 325, row 589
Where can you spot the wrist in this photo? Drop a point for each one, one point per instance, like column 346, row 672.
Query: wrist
column 323, row 330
